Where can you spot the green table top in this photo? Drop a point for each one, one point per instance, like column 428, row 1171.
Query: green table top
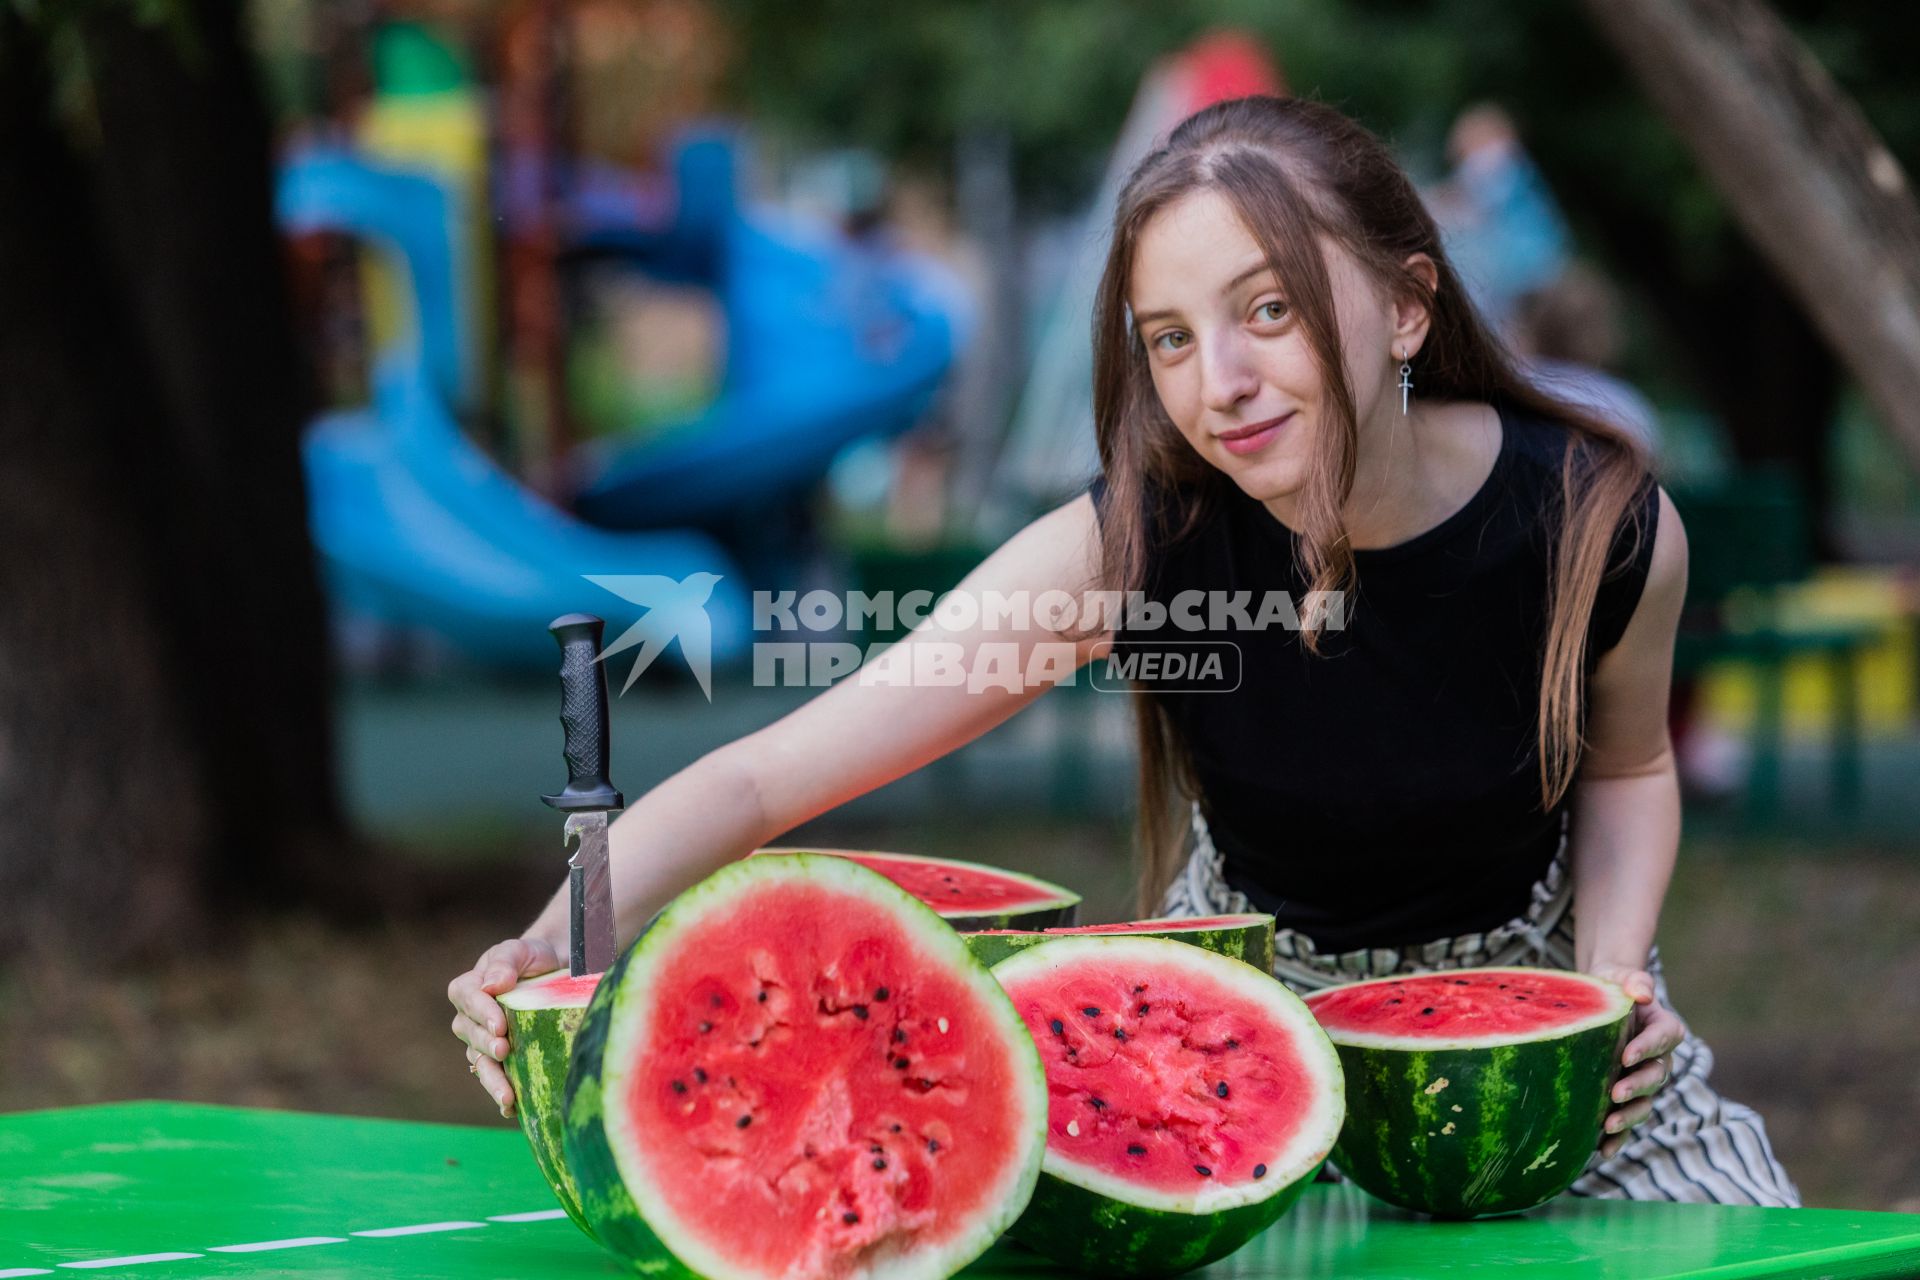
column 174, row 1190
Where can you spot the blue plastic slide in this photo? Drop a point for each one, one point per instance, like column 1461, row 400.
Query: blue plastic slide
column 417, row 527
column 828, row 342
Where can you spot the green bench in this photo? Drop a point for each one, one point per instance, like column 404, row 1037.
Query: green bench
column 1751, row 540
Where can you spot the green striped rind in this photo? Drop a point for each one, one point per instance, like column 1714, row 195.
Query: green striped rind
column 1103, row 1236
column 609, row 1035
column 1252, row 943
column 1529, row 1115
column 611, row 1216
column 542, row 1041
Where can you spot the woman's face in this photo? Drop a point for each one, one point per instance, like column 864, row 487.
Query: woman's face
column 1230, row 359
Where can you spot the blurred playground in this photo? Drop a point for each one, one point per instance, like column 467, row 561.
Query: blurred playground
column 641, row 290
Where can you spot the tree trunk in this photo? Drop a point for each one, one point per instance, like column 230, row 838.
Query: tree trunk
column 1819, row 195
column 164, row 654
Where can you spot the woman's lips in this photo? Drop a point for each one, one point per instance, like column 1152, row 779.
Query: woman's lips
column 1253, row 438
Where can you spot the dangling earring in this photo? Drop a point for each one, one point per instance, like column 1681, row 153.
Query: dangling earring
column 1406, row 383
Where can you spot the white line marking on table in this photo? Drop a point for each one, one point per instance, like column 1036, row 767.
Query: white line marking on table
column 133, row 1261
column 297, row 1242
column 267, row 1246
column 424, row 1228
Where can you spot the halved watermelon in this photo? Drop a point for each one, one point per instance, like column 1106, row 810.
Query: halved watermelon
column 543, row 1018
column 968, row 895
column 1474, row 1092
column 1190, row 1100
column 800, row 1071
column 1247, row 937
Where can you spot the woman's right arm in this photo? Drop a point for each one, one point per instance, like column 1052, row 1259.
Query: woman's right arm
column 854, row 737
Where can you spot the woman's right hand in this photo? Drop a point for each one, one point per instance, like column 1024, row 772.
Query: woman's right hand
column 478, row 1020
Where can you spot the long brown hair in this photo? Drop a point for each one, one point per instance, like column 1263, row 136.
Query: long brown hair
column 1299, row 172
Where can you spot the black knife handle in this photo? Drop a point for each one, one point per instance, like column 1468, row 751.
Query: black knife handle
column 583, row 710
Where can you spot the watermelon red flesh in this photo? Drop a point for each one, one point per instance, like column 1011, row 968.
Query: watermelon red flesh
column 1497, row 1005
column 968, row 895
column 1474, row 1092
column 810, row 1077
column 1247, row 937
column 543, row 1018
column 1189, row 1096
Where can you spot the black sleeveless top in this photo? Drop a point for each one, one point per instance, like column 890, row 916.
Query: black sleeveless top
column 1386, row 791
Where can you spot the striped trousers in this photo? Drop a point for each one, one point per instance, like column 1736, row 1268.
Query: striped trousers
column 1696, row 1146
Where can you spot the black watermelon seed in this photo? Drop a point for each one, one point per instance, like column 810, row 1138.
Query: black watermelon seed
column 1394, row 1000
column 1220, row 1090
column 933, row 1146
column 879, row 1164
column 1137, row 990
column 880, row 994
column 1428, row 1009
column 896, row 1128
column 715, row 1000
column 1098, row 1104
column 1259, row 1171
column 679, row 1086
column 860, row 1012
column 1119, row 1034
column 1144, row 1008
column 1519, row 997
column 849, row 1217
column 705, row 1027
column 1203, row 1171
column 1091, row 1012
column 899, row 1036
column 762, row 997
column 1135, row 1149
column 743, row 1122
column 899, row 1064
column 1503, row 986
column 1461, row 982
column 923, row 1084
column 700, row 1075
column 1058, row 1026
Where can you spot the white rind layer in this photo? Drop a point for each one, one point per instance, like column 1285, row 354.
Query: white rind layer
column 538, row 993
column 627, row 1042
column 1309, row 1145
column 1619, row 1005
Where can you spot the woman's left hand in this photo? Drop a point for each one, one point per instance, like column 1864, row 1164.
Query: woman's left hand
column 1657, row 1032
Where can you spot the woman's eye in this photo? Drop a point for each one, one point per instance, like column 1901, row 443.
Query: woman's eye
column 1275, row 311
column 1170, row 340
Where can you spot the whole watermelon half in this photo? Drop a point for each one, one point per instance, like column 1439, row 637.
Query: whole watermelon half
column 800, row 1071
column 1247, row 937
column 1191, row 1098
column 967, row 895
column 1474, row 1092
column 543, row 1019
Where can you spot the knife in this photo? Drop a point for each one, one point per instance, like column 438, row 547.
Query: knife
column 588, row 796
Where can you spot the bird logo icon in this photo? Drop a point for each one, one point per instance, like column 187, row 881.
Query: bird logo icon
column 675, row 610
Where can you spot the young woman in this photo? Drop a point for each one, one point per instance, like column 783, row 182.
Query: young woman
column 1292, row 393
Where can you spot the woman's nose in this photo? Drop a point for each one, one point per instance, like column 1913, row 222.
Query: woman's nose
column 1227, row 377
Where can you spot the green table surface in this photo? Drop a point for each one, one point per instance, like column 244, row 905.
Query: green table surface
column 173, row 1190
